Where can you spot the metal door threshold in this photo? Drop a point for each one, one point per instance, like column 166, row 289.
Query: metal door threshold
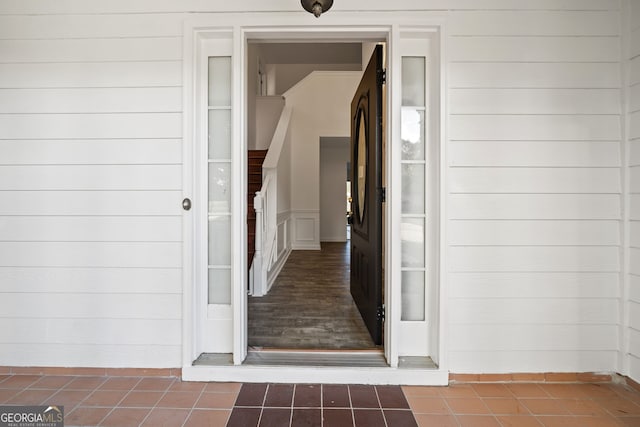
column 320, row 358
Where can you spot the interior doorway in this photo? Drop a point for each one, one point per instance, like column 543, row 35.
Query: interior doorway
column 310, row 305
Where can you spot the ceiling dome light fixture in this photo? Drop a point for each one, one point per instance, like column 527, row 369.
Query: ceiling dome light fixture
column 317, row 7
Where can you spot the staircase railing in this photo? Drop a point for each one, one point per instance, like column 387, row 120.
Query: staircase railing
column 266, row 207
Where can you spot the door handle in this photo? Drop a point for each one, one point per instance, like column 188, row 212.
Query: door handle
column 186, row 204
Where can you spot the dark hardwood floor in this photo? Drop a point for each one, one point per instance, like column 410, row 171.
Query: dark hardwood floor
column 309, row 305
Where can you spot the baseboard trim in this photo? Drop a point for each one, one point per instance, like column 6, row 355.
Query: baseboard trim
column 277, row 268
column 97, row 372
column 547, row 377
column 632, row 383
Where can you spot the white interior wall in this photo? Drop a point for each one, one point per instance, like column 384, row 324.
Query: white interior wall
column 327, row 116
column 633, row 172
column 284, row 179
column 268, row 110
column 288, row 75
column 334, row 156
column 90, row 134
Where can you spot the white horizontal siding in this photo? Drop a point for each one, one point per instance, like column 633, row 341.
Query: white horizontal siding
column 90, row 306
column 73, row 202
column 541, row 311
column 81, row 98
column 112, row 331
column 99, row 280
column 535, row 127
column 634, row 203
column 93, row 177
column 534, row 49
column 534, row 101
column 634, row 98
column 634, row 125
column 132, row 74
column 535, row 180
column 92, row 91
column 535, row 153
column 533, row 285
column 159, row 6
column 634, row 15
column 534, row 190
column 535, row 206
column 91, row 50
column 634, row 341
column 37, row 27
column 634, row 177
column 634, row 260
column 634, row 152
column 634, row 314
column 81, row 126
column 534, row 75
column 158, row 355
column 635, row 42
column 536, row 361
column 633, row 119
column 534, row 23
column 91, row 254
column 634, row 291
column 544, row 233
column 508, row 337
column 94, row 100
column 90, row 151
column 535, row 258
column 634, row 77
column 91, row 229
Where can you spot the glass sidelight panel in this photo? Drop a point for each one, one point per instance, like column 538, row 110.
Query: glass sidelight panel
column 220, row 240
column 220, row 81
column 413, row 81
column 412, row 237
column 220, row 286
column 414, row 180
column 219, row 180
column 220, row 134
column 413, row 188
column 219, row 187
column 413, row 296
column 412, row 134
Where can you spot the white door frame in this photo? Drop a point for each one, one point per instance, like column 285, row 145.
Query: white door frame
column 389, row 26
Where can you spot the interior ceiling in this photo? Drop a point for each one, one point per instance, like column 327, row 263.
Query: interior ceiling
column 310, row 53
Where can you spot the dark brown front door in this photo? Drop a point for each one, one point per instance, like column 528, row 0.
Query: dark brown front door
column 367, row 194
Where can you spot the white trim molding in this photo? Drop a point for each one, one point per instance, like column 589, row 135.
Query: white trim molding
column 388, row 26
column 305, row 230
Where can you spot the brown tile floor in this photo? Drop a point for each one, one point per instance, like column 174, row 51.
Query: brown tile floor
column 154, row 401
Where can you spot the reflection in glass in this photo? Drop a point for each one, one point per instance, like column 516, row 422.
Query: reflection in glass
column 412, row 134
column 219, row 134
column 219, row 187
column 412, row 296
column 413, row 188
column 219, row 81
column 220, row 240
column 220, row 286
column 412, row 238
column 361, row 168
column 413, row 81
